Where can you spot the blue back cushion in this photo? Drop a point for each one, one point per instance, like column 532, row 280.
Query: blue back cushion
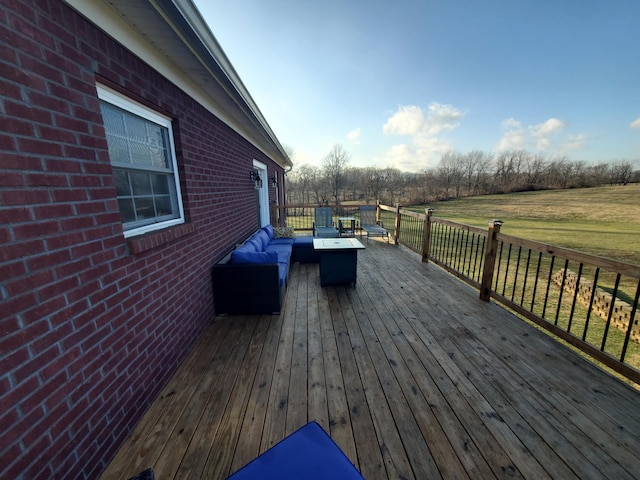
column 263, row 238
column 244, row 256
column 269, row 230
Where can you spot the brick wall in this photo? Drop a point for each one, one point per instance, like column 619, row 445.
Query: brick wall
column 92, row 326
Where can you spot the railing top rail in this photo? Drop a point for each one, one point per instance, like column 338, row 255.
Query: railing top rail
column 315, row 205
column 387, row 208
column 462, row 226
column 575, row 255
column 411, row 213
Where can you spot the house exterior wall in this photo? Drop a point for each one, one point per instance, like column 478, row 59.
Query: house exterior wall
column 92, row 325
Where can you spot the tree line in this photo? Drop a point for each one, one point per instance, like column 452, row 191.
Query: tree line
column 456, row 175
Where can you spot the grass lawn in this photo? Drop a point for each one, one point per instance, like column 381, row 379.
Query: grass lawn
column 603, row 221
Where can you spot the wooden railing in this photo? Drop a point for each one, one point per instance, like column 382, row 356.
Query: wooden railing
column 588, row 301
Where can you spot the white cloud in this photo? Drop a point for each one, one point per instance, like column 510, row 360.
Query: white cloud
column 408, row 120
column 425, row 147
column 514, row 137
column 575, row 142
column 635, row 123
column 511, row 124
column 442, row 117
column 538, row 136
column 354, row 136
column 549, row 127
column 543, row 144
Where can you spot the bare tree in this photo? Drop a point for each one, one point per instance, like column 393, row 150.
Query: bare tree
column 475, row 164
column 621, row 172
column 450, row 173
column 334, row 165
column 473, row 173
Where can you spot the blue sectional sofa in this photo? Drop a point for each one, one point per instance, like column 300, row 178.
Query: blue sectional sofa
column 253, row 277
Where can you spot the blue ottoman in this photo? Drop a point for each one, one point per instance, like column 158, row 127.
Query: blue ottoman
column 303, row 251
column 308, row 453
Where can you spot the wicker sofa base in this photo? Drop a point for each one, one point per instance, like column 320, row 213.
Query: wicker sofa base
column 255, row 288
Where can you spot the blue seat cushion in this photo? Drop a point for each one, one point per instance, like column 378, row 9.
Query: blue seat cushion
column 281, row 241
column 283, row 252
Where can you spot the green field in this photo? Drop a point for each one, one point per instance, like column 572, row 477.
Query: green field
column 603, row 221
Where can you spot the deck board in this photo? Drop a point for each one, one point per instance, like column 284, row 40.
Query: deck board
column 411, row 375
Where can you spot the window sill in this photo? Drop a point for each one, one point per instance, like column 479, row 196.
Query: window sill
column 160, row 237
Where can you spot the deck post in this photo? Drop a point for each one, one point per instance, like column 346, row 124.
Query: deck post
column 426, row 237
column 396, row 234
column 490, row 254
column 275, row 214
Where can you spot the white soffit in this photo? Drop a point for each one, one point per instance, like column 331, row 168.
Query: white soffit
column 144, row 28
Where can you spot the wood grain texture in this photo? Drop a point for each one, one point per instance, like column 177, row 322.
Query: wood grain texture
column 409, row 372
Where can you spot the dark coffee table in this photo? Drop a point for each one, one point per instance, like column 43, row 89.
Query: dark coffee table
column 338, row 259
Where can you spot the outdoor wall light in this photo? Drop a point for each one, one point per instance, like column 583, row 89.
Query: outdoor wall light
column 274, row 180
column 255, row 178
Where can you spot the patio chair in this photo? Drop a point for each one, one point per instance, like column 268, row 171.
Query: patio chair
column 369, row 224
column 323, row 224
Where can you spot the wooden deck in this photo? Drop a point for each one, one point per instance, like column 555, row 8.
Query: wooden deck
column 412, row 376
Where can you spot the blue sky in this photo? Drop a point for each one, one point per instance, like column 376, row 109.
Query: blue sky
column 397, row 83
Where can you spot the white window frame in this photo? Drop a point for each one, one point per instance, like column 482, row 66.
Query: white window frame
column 117, row 99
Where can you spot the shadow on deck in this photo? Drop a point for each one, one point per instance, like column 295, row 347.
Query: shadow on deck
column 410, row 373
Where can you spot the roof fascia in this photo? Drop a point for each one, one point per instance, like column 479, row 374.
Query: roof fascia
column 215, row 83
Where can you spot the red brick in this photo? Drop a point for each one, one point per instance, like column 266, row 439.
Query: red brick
column 66, row 239
column 56, row 334
column 40, row 70
column 16, row 466
column 84, row 290
column 15, row 395
column 7, row 142
column 78, row 337
column 86, row 114
column 43, row 308
column 8, row 418
column 36, row 229
column 69, row 195
column 12, row 270
column 40, row 147
column 20, row 285
column 63, row 164
column 17, row 127
column 15, row 359
column 68, row 122
column 80, row 153
column 8, row 325
column 48, row 260
column 17, row 304
column 15, row 215
column 56, row 134
column 58, row 288
column 24, row 197
column 5, row 236
column 35, row 364
column 73, row 267
column 64, row 315
column 47, row 180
